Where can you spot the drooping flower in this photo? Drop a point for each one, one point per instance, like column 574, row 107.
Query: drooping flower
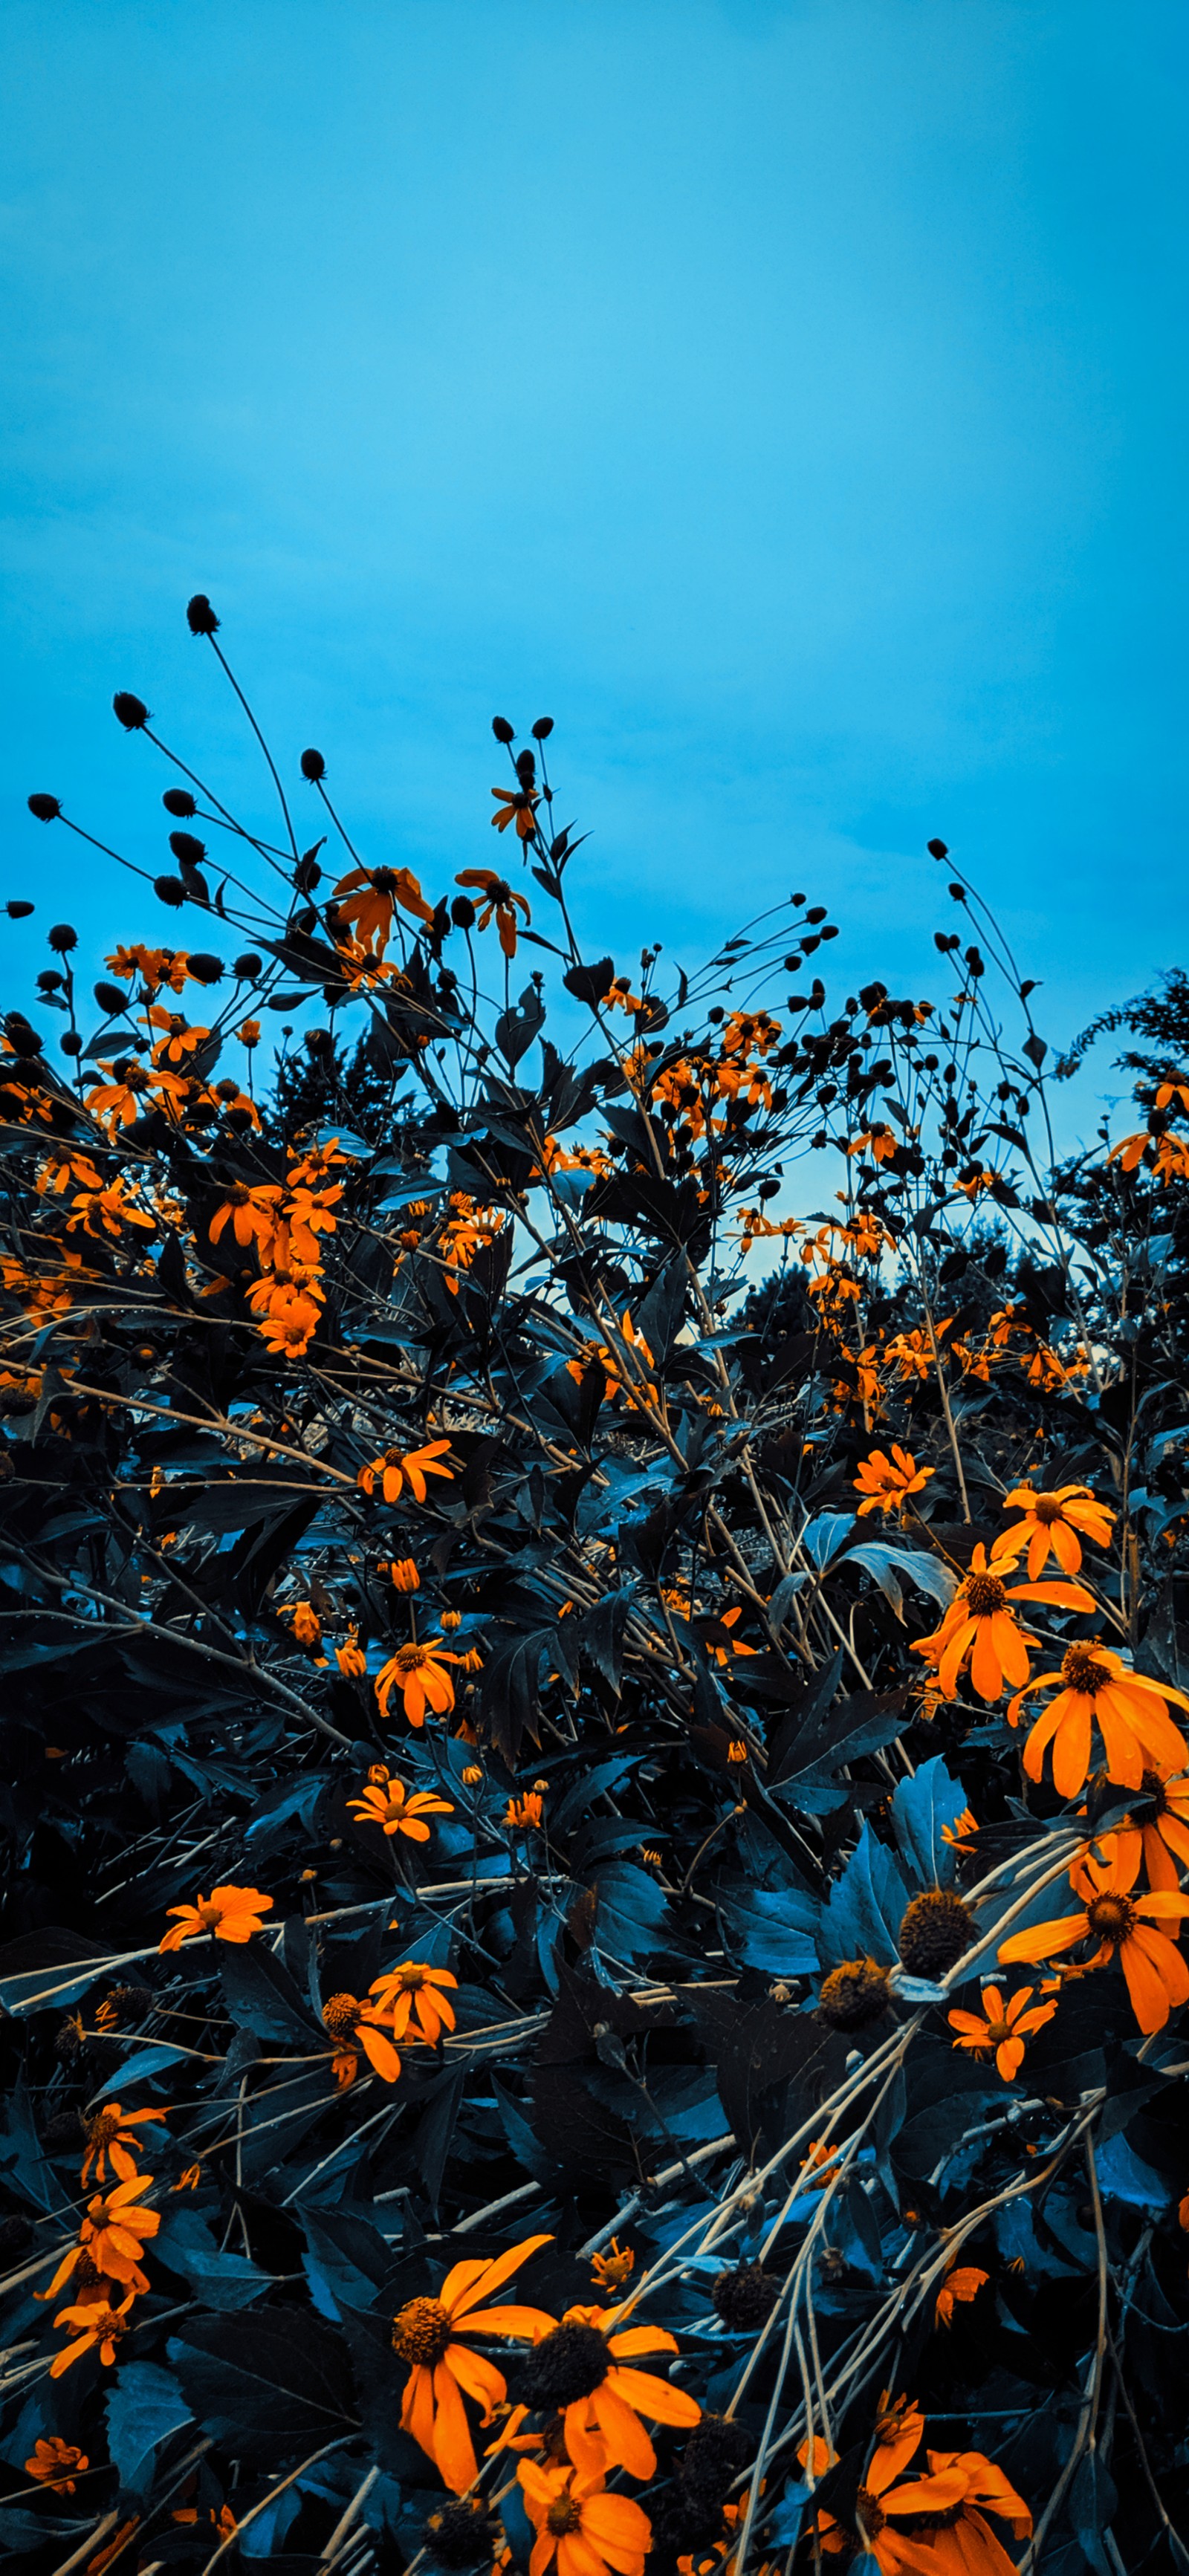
column 414, row 1995
column 386, row 1802
column 1125, row 1928
column 372, row 897
column 251, row 1213
column 350, row 2021
column 231, row 1913
column 351, row 1659
column 948, row 2533
column 419, row 1671
column 497, row 897
column 402, row 1574
column 97, row 2326
column 52, row 2463
column 1129, row 1711
column 111, row 2139
column 428, row 2333
column 958, row 2288
column 980, row 1625
column 1001, row 2027
column 395, row 1468
column 614, row 2267
column 306, row 1624
column 1051, row 1526
column 887, row 1482
column 1161, row 1824
column 579, row 2369
column 579, row 2526
column 519, row 807
column 526, row 1814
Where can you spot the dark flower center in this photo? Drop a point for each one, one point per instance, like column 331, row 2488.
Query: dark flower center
column 383, row 880
column 1047, row 1509
column 854, row 1994
column 341, row 2014
column 984, row 1595
column 421, row 2331
column 936, row 1929
column 870, row 2513
column 1080, row 1671
column 563, row 2516
column 567, row 2364
column 1112, row 1918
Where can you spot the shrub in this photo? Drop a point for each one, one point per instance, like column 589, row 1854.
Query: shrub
column 540, row 1771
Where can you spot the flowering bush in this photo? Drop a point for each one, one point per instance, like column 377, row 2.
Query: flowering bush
column 593, row 1955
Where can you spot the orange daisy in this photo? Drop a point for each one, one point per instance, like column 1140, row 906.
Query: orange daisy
column 1001, row 2027
column 231, row 1913
column 52, row 2463
column 519, row 807
column 957, row 2290
column 111, row 2138
column 423, row 1680
column 580, row 2526
column 374, row 894
column 1125, row 1928
column 350, row 2021
column 981, row 1625
column 1162, row 1827
column 1051, row 1526
column 98, row 2326
column 396, row 1468
column 578, row 2368
column 413, row 1994
column 497, row 897
column 428, row 2333
column 386, row 1802
column 1129, row 1711
column 887, row 1481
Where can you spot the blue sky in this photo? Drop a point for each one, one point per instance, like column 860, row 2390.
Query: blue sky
column 788, row 396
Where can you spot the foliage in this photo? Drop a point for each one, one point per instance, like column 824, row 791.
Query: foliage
column 540, row 1770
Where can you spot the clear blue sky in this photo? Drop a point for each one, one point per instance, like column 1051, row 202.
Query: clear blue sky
column 788, row 396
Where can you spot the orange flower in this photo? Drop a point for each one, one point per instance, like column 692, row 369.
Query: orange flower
column 527, row 1813
column 251, row 1213
column 428, row 2332
column 1003, row 2028
column 1129, row 1711
column 958, row 2287
column 402, row 1574
column 351, row 1659
column 1125, row 1928
column 229, row 1912
column 888, row 1482
column 390, row 1805
column 290, row 1325
column 580, row 2526
column 110, row 2137
column 721, row 1653
column 375, row 894
column 348, row 2019
column 1161, row 1826
column 611, row 2270
column 1050, row 1527
column 980, row 1624
column 579, row 2369
column 397, row 1467
column 111, row 2238
column 307, row 1626
column 52, row 2462
column 423, row 1679
column 408, row 1995
column 497, row 897
column 519, row 807
column 97, row 2325
column 948, row 2533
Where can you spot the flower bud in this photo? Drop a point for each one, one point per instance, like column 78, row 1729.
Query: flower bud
column 178, row 800
column 542, row 728
column 169, row 890
column 46, row 808
column 131, row 711
column 502, row 729
column 200, row 616
column 185, row 847
column 462, row 912
column 62, row 936
column 71, row 1043
column 247, row 967
column 206, row 969
column 313, row 767
column 18, row 911
column 110, row 997
column 937, row 849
